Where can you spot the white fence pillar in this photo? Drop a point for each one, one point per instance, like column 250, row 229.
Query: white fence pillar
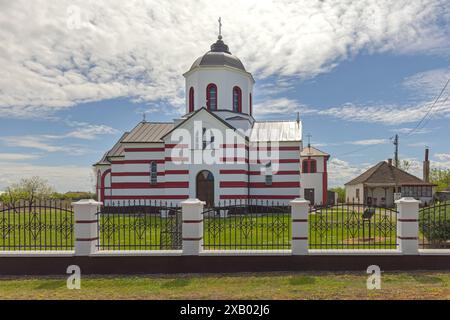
column 192, row 216
column 86, row 233
column 299, row 216
column 408, row 225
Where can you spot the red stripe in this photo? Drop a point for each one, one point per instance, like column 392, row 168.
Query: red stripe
column 233, row 184
column 233, row 196
column 257, row 173
column 257, row 197
column 234, row 146
column 260, row 161
column 176, row 146
column 233, row 159
column 324, row 182
column 177, row 171
column 286, row 148
column 239, row 184
column 233, row 171
column 278, row 173
column 86, row 221
column 144, row 149
column 148, row 185
column 137, row 161
column 86, row 239
column 287, row 184
column 147, row 197
column 135, row 174
column 177, row 159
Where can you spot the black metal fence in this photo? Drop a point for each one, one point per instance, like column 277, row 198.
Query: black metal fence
column 434, row 226
column 36, row 225
column 140, row 225
column 352, row 226
column 247, row 225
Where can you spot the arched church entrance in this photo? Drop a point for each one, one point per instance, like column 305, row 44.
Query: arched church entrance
column 205, row 187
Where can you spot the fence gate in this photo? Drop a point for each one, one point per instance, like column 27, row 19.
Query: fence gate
column 352, row 226
column 434, row 226
column 139, row 226
column 171, row 238
column 247, row 225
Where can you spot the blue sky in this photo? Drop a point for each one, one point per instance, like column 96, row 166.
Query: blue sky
column 357, row 73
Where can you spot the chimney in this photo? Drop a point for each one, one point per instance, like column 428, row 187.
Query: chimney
column 426, row 166
column 390, row 162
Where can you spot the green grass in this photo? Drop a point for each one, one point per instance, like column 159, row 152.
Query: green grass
column 334, row 230
column 411, row 285
column 49, row 228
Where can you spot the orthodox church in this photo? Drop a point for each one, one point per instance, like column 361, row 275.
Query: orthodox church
column 217, row 151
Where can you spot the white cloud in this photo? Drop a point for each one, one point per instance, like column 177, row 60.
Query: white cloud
column 139, row 49
column 42, row 143
column 412, row 131
column 88, row 131
column 341, row 172
column 17, row 156
column 62, row 178
column 427, row 84
column 386, row 114
column 443, row 156
column 369, row 142
column 418, row 144
column 281, row 106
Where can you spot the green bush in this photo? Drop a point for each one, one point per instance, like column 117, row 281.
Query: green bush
column 435, row 224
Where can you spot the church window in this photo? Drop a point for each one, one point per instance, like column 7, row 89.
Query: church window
column 153, row 173
column 211, row 97
column 191, row 99
column 237, row 99
column 268, row 174
column 205, row 142
column 309, row 166
column 251, row 103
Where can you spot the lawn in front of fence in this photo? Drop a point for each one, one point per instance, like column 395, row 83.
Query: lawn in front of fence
column 349, row 285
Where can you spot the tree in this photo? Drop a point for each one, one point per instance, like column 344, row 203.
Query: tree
column 440, row 177
column 29, row 189
column 405, row 165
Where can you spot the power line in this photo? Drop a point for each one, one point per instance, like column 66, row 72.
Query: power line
column 441, row 105
column 395, row 138
column 430, row 109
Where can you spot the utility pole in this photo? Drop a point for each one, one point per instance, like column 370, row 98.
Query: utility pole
column 396, row 151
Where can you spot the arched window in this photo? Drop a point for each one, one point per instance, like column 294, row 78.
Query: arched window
column 237, row 99
column 153, row 172
column 250, row 103
column 191, row 99
column 309, row 166
column 268, row 174
column 211, row 97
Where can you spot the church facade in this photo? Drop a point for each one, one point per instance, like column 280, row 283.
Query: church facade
column 217, row 151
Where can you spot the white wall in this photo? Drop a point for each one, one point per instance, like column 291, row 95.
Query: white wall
column 225, row 79
column 350, row 193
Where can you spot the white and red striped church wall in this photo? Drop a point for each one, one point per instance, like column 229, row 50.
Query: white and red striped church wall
column 236, row 178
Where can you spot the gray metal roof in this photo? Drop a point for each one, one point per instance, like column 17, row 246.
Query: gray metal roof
column 219, row 55
column 148, row 132
column 116, row 151
column 276, row 131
